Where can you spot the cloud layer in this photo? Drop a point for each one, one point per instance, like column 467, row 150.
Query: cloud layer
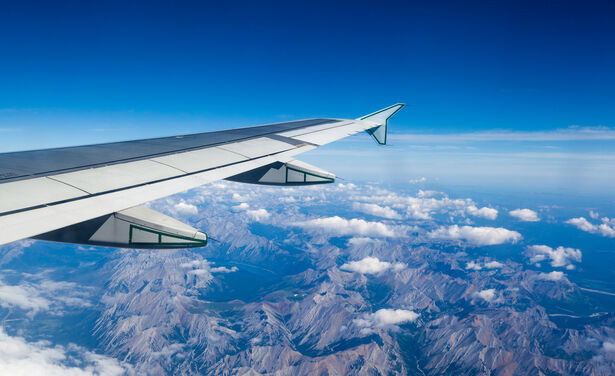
column 376, row 210
column 488, row 265
column 559, row 257
column 385, row 318
column 426, row 204
column 19, row 357
column 254, row 214
column 343, row 227
column 478, row 236
column 552, row 276
column 606, row 228
column 484, row 212
column 371, row 265
column 487, row 295
column 43, row 294
column 204, row 268
column 186, row 209
column 494, row 265
column 258, row 214
column 525, row 215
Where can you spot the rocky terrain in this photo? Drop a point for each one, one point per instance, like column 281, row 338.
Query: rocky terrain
column 277, row 294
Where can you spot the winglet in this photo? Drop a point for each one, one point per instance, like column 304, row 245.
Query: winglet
column 380, row 118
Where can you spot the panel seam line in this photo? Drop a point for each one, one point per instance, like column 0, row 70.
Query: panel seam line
column 67, row 184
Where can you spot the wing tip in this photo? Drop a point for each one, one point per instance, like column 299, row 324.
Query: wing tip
column 381, row 116
column 380, row 121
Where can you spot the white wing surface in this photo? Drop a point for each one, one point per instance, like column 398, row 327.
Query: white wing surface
column 72, row 194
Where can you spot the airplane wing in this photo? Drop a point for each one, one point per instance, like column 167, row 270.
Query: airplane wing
column 91, row 194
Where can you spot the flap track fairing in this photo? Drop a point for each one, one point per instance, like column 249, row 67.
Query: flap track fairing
column 137, row 227
column 293, row 172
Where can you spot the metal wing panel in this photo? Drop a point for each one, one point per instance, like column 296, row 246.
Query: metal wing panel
column 199, row 160
column 29, row 164
column 257, row 147
column 314, row 128
column 43, row 219
column 33, row 192
column 47, row 218
column 325, row 136
column 103, row 179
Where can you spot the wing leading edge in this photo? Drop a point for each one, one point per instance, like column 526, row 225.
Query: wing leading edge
column 43, row 192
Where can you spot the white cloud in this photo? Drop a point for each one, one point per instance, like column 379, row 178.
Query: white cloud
column 205, row 268
column 419, row 180
column 223, row 269
column 606, row 228
column 341, row 226
column 194, row 263
column 258, row 215
column 385, row 318
column 371, row 265
column 237, row 197
column 489, row 265
column 19, row 357
column 484, row 212
column 13, row 250
column 476, row 235
column 428, row 203
column 429, row 193
column 184, row 208
column 201, row 273
column 487, row 295
column 608, row 346
column 473, row 266
column 242, row 206
column 582, row 224
column 553, row 276
column 525, row 215
column 67, row 293
column 376, row 210
column 200, row 268
column 361, row 241
column 560, row 257
column 593, row 214
column 43, row 295
column 346, row 186
column 23, row 297
column 493, row 265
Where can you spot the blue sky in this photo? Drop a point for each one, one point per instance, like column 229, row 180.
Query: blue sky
column 85, row 72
